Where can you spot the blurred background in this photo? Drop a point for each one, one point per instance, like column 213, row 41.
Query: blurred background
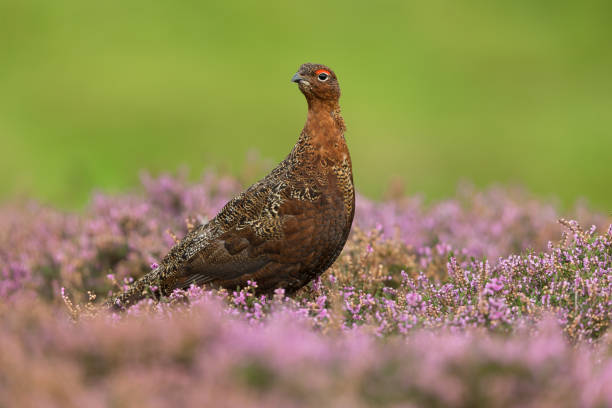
column 434, row 92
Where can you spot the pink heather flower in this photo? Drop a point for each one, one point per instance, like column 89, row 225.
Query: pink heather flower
column 257, row 311
column 323, row 314
column 154, row 265
column 321, row 301
column 240, row 298
column 493, row 286
column 413, row 299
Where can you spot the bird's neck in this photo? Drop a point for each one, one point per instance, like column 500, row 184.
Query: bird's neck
column 320, row 112
column 324, row 128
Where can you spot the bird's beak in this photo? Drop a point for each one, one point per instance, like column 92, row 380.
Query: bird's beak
column 297, row 78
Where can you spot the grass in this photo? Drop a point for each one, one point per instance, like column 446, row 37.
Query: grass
column 433, row 92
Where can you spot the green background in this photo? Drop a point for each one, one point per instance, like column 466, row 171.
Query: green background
column 434, row 92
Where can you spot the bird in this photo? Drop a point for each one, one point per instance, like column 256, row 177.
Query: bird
column 284, row 230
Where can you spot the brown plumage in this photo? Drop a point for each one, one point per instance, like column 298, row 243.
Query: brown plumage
column 284, row 230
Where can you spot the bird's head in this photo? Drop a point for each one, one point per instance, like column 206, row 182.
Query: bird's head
column 317, row 82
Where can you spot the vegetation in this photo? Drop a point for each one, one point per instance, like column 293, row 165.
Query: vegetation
column 483, row 299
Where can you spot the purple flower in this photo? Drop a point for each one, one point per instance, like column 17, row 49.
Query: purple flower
column 493, row 286
column 426, row 298
column 413, row 299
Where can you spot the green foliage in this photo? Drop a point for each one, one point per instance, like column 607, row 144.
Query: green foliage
column 437, row 91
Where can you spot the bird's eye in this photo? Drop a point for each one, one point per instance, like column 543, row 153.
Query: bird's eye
column 323, row 76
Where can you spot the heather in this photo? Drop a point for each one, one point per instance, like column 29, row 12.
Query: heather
column 482, row 299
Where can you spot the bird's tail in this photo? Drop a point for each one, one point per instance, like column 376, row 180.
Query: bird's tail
column 147, row 285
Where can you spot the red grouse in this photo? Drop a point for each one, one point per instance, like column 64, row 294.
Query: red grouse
column 284, row 230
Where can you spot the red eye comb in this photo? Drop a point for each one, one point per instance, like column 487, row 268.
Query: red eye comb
column 318, row 71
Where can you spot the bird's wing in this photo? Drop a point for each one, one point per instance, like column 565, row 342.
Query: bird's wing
column 252, row 251
column 224, row 258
